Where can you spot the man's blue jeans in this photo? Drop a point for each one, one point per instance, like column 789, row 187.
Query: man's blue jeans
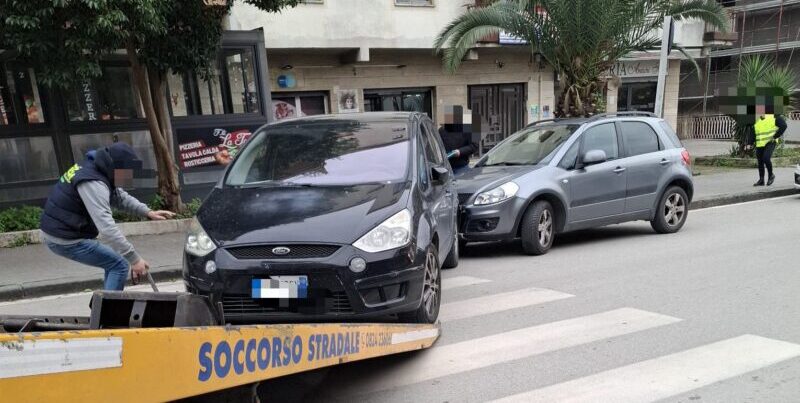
column 91, row 252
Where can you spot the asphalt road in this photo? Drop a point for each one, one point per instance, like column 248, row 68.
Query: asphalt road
column 711, row 314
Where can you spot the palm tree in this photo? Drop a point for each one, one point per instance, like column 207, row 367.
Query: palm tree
column 581, row 39
column 759, row 71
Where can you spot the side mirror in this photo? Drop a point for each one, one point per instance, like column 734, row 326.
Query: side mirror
column 440, row 174
column 594, row 157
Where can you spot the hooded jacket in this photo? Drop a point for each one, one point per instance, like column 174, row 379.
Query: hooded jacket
column 65, row 216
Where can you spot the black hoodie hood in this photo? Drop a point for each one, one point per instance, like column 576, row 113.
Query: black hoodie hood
column 115, row 156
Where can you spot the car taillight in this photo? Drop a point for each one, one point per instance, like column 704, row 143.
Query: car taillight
column 687, row 159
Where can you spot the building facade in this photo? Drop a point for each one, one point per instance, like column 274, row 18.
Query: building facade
column 766, row 27
column 43, row 130
column 379, row 56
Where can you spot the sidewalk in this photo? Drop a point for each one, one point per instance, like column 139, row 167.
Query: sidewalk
column 32, row 271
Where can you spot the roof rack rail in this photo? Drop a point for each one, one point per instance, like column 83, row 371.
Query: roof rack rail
column 623, row 113
column 544, row 121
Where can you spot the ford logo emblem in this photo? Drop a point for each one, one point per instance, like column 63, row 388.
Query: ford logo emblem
column 281, row 250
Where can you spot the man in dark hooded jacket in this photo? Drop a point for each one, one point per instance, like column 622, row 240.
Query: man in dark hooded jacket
column 78, row 209
column 458, row 144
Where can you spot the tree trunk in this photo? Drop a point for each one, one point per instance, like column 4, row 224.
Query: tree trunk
column 158, row 90
column 168, row 186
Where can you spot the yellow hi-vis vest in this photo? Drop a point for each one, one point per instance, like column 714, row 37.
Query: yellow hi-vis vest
column 765, row 130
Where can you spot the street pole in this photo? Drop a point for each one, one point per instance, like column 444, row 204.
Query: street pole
column 666, row 44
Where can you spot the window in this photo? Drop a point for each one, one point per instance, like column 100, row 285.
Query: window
column 639, row 138
column 403, row 99
column 25, row 159
column 676, row 142
column 108, row 97
column 287, row 105
column 570, row 157
column 602, row 137
column 413, row 2
column 530, row 146
column 329, row 153
column 423, row 173
column 231, row 88
column 20, row 102
column 432, row 150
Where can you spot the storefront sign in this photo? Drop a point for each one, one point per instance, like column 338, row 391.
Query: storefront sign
column 286, row 80
column 509, row 39
column 197, row 147
column 641, row 68
column 89, row 99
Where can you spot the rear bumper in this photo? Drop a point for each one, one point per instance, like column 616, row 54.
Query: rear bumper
column 392, row 283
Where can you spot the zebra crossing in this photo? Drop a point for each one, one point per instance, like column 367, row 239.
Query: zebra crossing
column 649, row 380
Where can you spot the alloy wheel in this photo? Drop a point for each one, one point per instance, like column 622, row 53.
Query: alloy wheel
column 545, row 228
column 674, row 209
column 430, row 291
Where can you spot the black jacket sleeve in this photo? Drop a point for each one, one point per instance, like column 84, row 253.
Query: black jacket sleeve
column 469, row 147
column 781, row 123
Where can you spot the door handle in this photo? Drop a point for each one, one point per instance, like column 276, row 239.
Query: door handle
column 664, row 161
column 619, row 170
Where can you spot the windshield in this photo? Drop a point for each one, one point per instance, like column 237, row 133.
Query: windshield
column 330, row 152
column 529, row 146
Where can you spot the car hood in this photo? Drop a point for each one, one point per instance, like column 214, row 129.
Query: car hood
column 478, row 178
column 340, row 214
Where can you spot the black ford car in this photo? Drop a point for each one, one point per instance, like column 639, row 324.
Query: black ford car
column 329, row 217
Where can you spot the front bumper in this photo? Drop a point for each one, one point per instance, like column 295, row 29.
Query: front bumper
column 392, row 283
column 495, row 222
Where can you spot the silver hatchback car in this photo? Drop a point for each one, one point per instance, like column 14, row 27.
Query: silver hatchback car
column 569, row 174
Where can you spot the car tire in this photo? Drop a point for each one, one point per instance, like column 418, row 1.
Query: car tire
column 673, row 208
column 538, row 228
column 428, row 310
column 451, row 261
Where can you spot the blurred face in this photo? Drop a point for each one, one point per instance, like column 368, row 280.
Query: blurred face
column 123, row 178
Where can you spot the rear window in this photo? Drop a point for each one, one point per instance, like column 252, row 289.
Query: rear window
column 334, row 152
column 671, row 135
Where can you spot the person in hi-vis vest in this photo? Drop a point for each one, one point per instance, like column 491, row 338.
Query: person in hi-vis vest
column 767, row 130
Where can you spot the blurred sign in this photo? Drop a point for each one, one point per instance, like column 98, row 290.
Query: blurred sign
column 509, row 39
column 286, row 80
column 639, row 68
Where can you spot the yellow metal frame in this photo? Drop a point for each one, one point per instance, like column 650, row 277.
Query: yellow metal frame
column 171, row 363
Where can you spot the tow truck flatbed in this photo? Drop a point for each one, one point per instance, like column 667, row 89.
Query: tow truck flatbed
column 149, row 364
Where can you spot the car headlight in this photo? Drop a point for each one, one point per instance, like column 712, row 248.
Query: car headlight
column 390, row 234
column 198, row 243
column 498, row 194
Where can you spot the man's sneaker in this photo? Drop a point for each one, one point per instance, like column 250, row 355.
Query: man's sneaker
column 771, row 180
column 759, row 183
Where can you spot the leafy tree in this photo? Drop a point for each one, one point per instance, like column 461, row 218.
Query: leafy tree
column 581, row 39
column 67, row 39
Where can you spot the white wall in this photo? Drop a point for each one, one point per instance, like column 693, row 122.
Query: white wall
column 349, row 24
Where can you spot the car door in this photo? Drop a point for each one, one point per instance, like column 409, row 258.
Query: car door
column 597, row 191
column 646, row 162
column 443, row 197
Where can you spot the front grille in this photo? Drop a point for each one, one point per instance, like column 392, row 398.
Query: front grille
column 295, row 251
column 336, row 302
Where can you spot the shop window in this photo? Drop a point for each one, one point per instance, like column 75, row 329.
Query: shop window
column 108, row 97
column 20, row 102
column 408, row 100
column 232, row 87
column 291, row 105
column 139, row 140
column 24, row 159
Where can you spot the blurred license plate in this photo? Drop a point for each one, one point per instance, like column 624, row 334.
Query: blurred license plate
column 280, row 287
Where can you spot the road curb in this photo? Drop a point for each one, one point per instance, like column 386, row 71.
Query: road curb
column 740, row 198
column 10, row 292
column 11, row 239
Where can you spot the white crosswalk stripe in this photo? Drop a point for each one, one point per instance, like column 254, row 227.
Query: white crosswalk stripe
column 498, row 302
column 513, row 345
column 669, row 375
column 462, row 281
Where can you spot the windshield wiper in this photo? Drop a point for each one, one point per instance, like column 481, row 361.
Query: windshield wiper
column 508, row 164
